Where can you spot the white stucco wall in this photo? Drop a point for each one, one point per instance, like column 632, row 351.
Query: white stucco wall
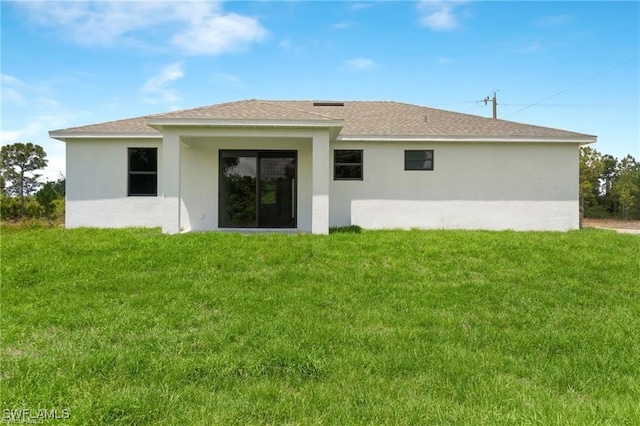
column 97, row 177
column 96, row 185
column 199, row 188
column 520, row 186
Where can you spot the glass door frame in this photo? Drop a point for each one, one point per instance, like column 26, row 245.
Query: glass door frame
column 256, row 153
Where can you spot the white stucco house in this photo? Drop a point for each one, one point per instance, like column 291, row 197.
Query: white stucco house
column 307, row 166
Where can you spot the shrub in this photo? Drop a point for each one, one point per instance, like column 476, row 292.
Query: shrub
column 9, row 208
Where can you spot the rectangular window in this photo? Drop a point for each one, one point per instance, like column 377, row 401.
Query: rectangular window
column 347, row 164
column 418, row 160
column 143, row 171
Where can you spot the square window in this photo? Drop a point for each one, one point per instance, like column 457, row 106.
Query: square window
column 347, row 164
column 143, row 171
column 418, row 159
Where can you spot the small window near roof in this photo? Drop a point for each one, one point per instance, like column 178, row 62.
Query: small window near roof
column 418, row 159
column 347, row 164
column 143, row 171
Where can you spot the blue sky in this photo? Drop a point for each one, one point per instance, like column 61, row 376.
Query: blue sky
column 570, row 65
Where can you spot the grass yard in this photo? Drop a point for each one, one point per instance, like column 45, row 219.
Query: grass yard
column 438, row 327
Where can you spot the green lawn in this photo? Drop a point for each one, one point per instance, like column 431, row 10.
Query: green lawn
column 438, row 327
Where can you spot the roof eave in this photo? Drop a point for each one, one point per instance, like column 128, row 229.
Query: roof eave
column 160, row 123
column 64, row 135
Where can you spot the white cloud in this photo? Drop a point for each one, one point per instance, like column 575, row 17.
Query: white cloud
column 439, row 14
column 99, row 23
column 295, row 48
column 217, row 34
column 359, row 6
column 10, row 80
column 342, row 25
column 11, row 88
column 35, row 131
column 18, row 93
column 157, row 87
column 534, row 46
column 226, row 78
column 194, row 27
column 29, row 110
column 361, row 63
column 285, row 44
column 8, row 137
column 38, row 125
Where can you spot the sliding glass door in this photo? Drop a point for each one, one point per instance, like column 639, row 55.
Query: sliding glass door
column 257, row 189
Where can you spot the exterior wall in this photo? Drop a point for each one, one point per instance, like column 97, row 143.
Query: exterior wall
column 97, row 178
column 199, row 174
column 520, row 186
column 532, row 186
column 96, row 185
column 199, row 188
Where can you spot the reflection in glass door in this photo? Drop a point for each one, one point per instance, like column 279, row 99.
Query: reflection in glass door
column 257, row 189
column 238, row 172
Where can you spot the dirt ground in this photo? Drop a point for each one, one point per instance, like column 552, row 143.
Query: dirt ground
column 612, row 223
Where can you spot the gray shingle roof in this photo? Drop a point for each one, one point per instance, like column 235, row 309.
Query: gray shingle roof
column 360, row 119
column 129, row 125
column 248, row 110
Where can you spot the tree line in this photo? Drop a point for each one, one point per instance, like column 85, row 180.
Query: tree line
column 609, row 188
column 23, row 195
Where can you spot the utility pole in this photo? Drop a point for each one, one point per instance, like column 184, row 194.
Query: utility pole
column 495, row 104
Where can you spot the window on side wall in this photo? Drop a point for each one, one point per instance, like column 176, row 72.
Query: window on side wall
column 418, row 159
column 347, row 164
column 143, row 171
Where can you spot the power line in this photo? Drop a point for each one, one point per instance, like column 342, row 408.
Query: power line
column 574, row 105
column 475, row 104
column 574, row 86
column 454, row 103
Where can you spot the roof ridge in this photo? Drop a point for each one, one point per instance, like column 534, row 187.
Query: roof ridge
column 200, row 108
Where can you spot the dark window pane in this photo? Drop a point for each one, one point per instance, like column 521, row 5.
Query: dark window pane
column 143, row 171
column 418, row 155
column 418, row 160
column 414, row 155
column 238, row 201
column 143, row 159
column 277, row 189
column 347, row 164
column 142, row 184
column 413, row 165
column 348, row 172
column 343, row 156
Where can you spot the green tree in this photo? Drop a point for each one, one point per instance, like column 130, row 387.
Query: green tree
column 626, row 185
column 610, row 166
column 46, row 197
column 18, row 163
column 591, row 167
column 60, row 185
